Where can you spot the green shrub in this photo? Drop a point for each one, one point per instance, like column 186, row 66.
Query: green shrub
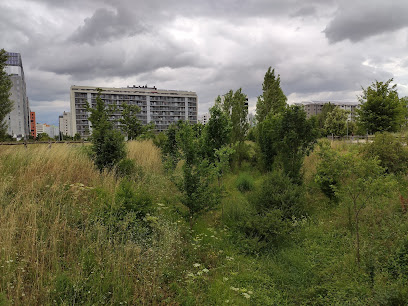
column 127, row 168
column 244, row 182
column 277, row 191
column 392, row 153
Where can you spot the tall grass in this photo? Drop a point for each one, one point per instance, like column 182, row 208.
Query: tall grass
column 55, row 247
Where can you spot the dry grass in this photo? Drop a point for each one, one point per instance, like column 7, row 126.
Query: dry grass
column 145, row 154
column 54, row 248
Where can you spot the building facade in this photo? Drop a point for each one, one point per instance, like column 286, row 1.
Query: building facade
column 158, row 106
column 314, row 108
column 204, row 118
column 33, row 125
column 18, row 120
column 65, row 124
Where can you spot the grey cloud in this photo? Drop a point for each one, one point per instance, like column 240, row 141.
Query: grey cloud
column 360, row 20
column 305, row 11
column 105, row 25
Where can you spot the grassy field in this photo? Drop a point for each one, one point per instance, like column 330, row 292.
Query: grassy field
column 72, row 235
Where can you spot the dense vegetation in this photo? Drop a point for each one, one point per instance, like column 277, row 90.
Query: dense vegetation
column 202, row 215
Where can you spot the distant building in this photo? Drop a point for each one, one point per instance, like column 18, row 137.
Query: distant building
column 158, row 106
column 314, row 108
column 204, row 118
column 50, row 130
column 65, row 124
column 33, row 125
column 18, row 120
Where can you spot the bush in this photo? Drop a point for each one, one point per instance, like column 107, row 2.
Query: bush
column 244, row 182
column 279, row 192
column 128, row 168
column 392, row 153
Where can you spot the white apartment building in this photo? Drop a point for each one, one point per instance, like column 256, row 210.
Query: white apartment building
column 65, row 124
column 158, row 106
column 314, row 108
column 18, row 120
column 204, row 118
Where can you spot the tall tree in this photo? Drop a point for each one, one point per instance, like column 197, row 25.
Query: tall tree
column 108, row 146
column 6, row 105
column 195, row 185
column 130, row 124
column 381, row 110
column 286, row 138
column 336, row 122
column 217, row 132
column 272, row 99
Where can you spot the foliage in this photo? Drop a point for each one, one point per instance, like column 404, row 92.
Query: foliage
column 244, row 182
column 196, row 185
column 381, row 110
column 277, row 191
column 286, row 137
column 108, row 146
column 6, row 105
column 125, row 167
column 130, row 124
column 336, row 122
column 391, row 152
column 272, row 100
column 170, row 149
column 328, row 172
column 234, row 106
column 217, row 132
column 43, row 137
column 322, row 116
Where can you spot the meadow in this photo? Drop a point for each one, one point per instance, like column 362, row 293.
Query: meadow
column 70, row 234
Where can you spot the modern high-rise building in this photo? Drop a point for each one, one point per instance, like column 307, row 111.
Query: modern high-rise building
column 65, row 124
column 314, row 108
column 18, row 120
column 158, row 106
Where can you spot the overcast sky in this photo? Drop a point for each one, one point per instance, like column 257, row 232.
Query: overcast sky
column 322, row 49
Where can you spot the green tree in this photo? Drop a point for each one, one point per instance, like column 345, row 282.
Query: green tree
column 391, row 152
column 170, row 148
column 322, row 116
column 6, row 105
column 217, row 132
column 130, row 124
column 108, row 145
column 272, row 99
column 381, row 110
column 199, row 194
column 336, row 122
column 286, row 138
column 235, row 107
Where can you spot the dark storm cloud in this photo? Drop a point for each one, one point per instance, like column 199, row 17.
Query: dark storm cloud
column 357, row 21
column 105, row 25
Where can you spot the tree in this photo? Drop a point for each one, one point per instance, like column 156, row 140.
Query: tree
column 6, row 105
column 234, row 106
column 108, row 146
column 170, row 149
column 336, row 122
column 196, row 184
column 217, row 132
column 286, row 138
column 273, row 99
column 130, row 124
column 381, row 110
column 322, row 116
